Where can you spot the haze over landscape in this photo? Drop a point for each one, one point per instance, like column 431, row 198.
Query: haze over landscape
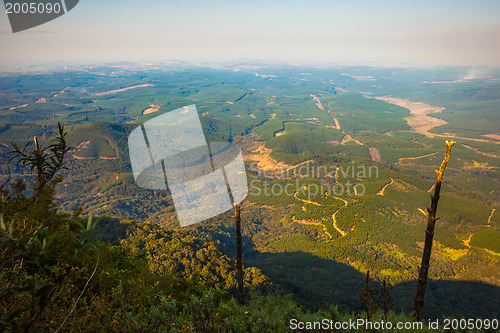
column 387, row 32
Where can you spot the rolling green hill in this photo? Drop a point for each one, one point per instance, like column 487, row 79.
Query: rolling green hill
column 311, row 237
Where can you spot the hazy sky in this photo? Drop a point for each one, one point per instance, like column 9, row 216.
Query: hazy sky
column 433, row 32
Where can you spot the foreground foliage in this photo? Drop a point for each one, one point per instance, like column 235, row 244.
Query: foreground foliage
column 54, row 277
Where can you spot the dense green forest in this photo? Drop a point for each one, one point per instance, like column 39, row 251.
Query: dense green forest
column 306, row 253
column 57, row 275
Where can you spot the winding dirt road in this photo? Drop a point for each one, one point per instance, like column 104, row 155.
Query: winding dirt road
column 491, row 215
column 415, row 158
column 319, row 224
column 381, row 192
column 318, row 102
column 343, row 233
column 335, row 220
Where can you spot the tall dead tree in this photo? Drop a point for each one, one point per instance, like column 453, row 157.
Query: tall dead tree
column 239, row 257
column 429, row 235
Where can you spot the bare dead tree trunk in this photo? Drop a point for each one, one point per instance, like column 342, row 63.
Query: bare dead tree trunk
column 239, row 258
column 429, row 235
column 39, row 177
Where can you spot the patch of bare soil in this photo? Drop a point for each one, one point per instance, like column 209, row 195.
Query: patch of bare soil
column 83, row 144
column 467, row 241
column 337, row 125
column 348, row 138
column 80, row 146
column 123, row 89
column 152, row 108
column 418, row 120
column 18, row 107
column 260, row 154
column 318, row 102
column 375, row 154
column 280, row 133
column 493, row 136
